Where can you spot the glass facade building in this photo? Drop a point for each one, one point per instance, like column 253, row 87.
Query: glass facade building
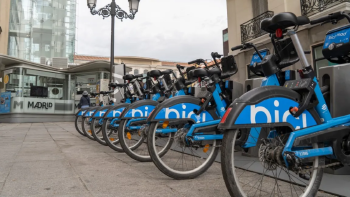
column 42, row 28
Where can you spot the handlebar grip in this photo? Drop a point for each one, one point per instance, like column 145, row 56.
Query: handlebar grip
column 237, row 47
column 139, row 75
column 179, row 66
column 192, row 62
column 336, row 15
column 215, row 55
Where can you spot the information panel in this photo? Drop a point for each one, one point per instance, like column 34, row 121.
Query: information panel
column 5, row 102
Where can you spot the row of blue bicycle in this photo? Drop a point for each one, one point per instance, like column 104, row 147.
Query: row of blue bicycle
column 275, row 140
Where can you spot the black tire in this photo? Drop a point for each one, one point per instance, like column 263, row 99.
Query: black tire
column 86, row 127
column 131, row 151
column 227, row 163
column 107, row 131
column 157, row 158
column 97, row 134
column 77, row 123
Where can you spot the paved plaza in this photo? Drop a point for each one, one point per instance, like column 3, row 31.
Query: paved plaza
column 53, row 159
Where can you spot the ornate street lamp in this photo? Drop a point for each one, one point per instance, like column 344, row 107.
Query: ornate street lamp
column 114, row 10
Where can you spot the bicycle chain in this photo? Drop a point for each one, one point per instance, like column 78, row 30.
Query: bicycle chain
column 322, row 167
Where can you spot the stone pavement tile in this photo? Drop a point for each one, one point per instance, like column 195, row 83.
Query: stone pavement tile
column 89, row 158
column 138, row 190
column 39, row 150
column 199, row 187
column 5, row 168
column 40, row 157
column 40, row 170
column 82, row 194
column 69, row 142
column 45, row 187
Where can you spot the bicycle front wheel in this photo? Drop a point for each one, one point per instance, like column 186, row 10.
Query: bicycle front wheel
column 134, row 142
column 263, row 176
column 110, row 135
column 96, row 130
column 183, row 160
column 78, row 125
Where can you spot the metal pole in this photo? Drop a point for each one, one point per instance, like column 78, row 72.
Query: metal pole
column 113, row 13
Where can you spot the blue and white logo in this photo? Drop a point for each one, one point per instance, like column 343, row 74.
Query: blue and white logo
column 338, row 37
column 100, row 113
column 89, row 113
column 139, row 112
column 274, row 110
column 115, row 113
column 183, row 110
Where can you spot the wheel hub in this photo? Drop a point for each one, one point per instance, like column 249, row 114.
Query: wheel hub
column 270, row 155
column 143, row 131
column 180, row 137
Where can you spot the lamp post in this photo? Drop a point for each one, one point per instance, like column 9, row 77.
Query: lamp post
column 114, row 10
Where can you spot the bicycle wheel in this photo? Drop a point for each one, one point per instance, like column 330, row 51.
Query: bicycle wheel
column 96, row 130
column 134, row 142
column 110, row 135
column 78, row 127
column 183, row 160
column 86, row 127
column 264, row 176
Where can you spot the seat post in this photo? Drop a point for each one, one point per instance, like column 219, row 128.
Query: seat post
column 300, row 51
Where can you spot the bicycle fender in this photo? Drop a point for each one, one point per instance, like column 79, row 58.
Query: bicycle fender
column 266, row 106
column 81, row 112
column 101, row 111
column 90, row 111
column 139, row 109
column 115, row 111
column 181, row 107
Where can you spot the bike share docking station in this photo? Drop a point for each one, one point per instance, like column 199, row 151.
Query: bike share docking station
column 337, row 97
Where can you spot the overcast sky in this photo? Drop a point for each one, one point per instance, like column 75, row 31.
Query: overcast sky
column 172, row 30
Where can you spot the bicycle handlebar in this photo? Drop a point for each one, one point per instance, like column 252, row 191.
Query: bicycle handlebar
column 198, row 61
column 333, row 16
column 237, row 47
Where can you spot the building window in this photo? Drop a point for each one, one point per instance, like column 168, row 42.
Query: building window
column 318, row 59
column 259, row 7
column 136, row 71
column 145, row 71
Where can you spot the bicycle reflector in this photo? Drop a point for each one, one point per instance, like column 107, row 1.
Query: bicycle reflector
column 165, row 124
column 223, row 119
column 279, row 33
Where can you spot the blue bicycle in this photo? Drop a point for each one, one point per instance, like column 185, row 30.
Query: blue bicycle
column 192, row 121
column 133, row 126
column 287, row 120
column 134, row 91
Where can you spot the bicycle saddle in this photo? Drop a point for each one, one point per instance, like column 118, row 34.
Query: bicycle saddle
column 167, row 71
column 200, row 72
column 128, row 77
column 120, row 85
column 214, row 71
column 190, row 78
column 155, row 73
column 282, row 21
